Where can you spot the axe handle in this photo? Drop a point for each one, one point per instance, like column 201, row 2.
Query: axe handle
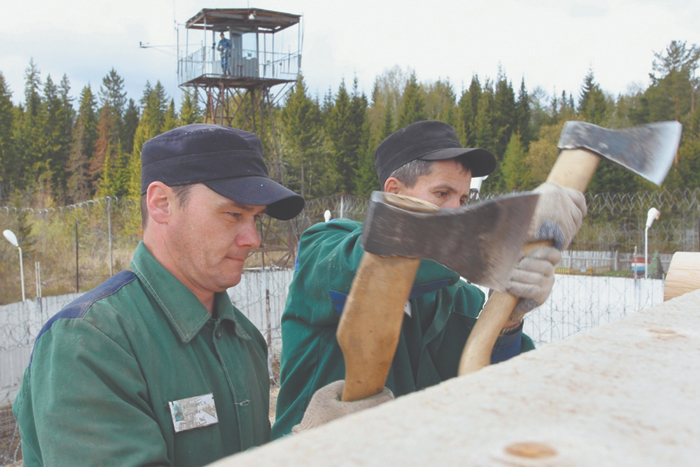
column 370, row 326
column 573, row 169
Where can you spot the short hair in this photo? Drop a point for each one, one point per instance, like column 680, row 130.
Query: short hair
column 410, row 172
column 182, row 195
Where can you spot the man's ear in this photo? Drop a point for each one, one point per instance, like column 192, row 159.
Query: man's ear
column 159, row 201
column 393, row 185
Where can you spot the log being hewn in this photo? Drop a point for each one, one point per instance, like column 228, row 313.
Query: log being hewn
column 625, row 393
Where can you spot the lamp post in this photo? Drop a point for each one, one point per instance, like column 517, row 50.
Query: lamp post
column 652, row 215
column 12, row 238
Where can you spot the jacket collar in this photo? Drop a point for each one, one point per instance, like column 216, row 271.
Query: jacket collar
column 181, row 307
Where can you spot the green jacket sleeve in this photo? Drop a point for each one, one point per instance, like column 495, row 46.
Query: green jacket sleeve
column 88, row 390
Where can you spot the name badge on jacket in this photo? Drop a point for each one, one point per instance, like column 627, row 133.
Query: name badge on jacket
column 194, row 412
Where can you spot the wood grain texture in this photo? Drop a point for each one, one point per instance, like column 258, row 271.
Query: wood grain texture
column 683, row 275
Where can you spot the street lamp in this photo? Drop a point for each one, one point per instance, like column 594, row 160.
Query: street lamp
column 12, row 238
column 652, row 215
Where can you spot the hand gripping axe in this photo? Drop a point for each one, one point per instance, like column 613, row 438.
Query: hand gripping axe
column 647, row 150
column 480, row 242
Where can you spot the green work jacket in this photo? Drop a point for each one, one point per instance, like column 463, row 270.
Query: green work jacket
column 104, row 369
column 443, row 311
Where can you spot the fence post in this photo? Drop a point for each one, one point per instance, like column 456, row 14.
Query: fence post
column 109, row 232
column 77, row 257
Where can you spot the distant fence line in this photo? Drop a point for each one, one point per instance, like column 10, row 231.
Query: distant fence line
column 79, row 246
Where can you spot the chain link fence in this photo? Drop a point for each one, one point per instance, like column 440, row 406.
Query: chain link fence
column 69, row 250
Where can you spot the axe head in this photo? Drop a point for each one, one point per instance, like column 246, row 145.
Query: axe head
column 481, row 242
column 647, row 150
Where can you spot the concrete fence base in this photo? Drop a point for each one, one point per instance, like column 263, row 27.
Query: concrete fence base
column 625, row 393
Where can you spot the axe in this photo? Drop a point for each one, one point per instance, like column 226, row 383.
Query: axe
column 481, row 242
column 647, row 150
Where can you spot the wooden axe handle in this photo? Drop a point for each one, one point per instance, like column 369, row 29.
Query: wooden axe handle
column 370, row 326
column 573, row 169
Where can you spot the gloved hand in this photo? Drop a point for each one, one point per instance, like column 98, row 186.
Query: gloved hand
column 532, row 280
column 326, row 406
column 558, row 215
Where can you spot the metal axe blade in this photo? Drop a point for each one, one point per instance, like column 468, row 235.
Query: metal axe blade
column 647, row 150
column 481, row 242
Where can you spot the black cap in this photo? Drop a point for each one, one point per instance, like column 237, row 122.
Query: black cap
column 227, row 160
column 429, row 141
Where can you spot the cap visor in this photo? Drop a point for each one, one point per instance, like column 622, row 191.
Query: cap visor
column 480, row 161
column 281, row 202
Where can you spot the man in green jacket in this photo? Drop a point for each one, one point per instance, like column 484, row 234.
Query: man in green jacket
column 424, row 160
column 156, row 366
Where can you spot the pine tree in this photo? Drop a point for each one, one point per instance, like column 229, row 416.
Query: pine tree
column 340, row 134
column 131, row 121
column 413, row 103
column 484, row 138
column 171, row 120
column 190, row 111
column 113, row 96
column 360, row 137
column 303, row 144
column 86, row 124
column 6, row 124
column 78, row 165
column 592, row 106
column 388, row 127
column 503, row 116
column 523, row 115
column 29, row 166
column 62, row 127
column 469, row 106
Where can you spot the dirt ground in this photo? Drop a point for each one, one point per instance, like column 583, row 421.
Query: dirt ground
column 274, row 390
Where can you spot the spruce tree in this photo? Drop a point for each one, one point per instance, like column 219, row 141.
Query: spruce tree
column 87, row 115
column 469, row 106
column 592, row 106
column 523, row 115
column 78, row 166
column 503, row 115
column 113, row 96
column 6, row 123
column 190, row 112
column 29, row 165
column 131, row 121
column 413, row 103
column 340, row 132
column 170, row 120
column 303, row 152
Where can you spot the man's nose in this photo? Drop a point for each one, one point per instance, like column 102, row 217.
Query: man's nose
column 248, row 236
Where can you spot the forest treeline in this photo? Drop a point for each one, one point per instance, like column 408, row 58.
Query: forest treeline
column 56, row 150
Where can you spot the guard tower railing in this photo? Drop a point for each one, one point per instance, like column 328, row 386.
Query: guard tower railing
column 206, row 62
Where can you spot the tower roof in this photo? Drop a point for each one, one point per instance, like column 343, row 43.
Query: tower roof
column 242, row 20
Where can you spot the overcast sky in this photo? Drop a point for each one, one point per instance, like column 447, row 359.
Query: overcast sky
column 549, row 43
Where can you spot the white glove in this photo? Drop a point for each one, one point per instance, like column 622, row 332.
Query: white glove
column 532, row 280
column 558, row 215
column 326, row 406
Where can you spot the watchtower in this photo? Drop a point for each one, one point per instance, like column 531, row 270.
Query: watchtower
column 243, row 54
